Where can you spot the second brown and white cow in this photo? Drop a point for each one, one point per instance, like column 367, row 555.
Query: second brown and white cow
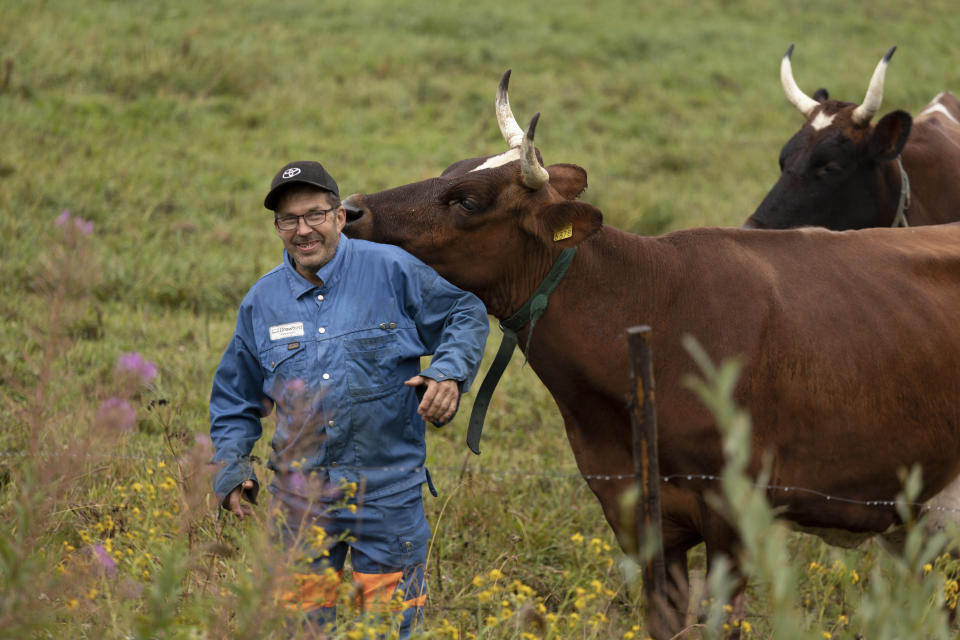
column 850, row 342
column 840, row 171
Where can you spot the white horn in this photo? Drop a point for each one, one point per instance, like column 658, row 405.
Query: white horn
column 511, row 131
column 797, row 98
column 534, row 175
column 871, row 102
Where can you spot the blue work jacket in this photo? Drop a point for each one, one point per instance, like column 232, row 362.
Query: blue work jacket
column 332, row 360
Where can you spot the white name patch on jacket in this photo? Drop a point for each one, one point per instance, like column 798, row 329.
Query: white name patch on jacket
column 289, row 330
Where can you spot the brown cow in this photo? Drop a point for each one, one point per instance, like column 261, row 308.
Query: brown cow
column 842, row 172
column 850, row 341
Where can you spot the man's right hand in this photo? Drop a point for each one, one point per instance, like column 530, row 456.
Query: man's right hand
column 238, row 499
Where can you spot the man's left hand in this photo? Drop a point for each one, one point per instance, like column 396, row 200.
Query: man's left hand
column 440, row 399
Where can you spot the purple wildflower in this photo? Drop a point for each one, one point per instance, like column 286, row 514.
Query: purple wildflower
column 117, row 413
column 83, row 226
column 132, row 363
column 295, row 385
column 103, row 558
column 298, row 483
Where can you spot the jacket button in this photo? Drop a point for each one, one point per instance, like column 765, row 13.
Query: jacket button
column 330, row 424
column 393, row 325
column 325, row 376
column 383, row 325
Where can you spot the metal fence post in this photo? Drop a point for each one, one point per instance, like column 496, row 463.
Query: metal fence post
column 643, row 422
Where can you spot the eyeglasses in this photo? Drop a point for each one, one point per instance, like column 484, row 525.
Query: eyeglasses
column 312, row 218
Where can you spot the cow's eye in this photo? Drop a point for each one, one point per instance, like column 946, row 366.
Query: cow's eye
column 469, row 205
column 827, row 169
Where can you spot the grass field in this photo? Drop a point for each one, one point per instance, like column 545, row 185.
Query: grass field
column 161, row 124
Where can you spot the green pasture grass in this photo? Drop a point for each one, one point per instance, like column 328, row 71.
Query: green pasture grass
column 163, row 123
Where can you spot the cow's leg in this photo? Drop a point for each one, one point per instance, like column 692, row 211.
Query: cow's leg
column 666, row 611
column 667, row 614
column 721, row 540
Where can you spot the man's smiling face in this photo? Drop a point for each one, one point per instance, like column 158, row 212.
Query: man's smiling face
column 310, row 246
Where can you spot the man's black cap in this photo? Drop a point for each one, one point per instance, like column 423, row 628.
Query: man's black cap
column 305, row 171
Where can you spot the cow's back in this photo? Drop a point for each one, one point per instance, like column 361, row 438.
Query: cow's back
column 851, row 348
column 932, row 162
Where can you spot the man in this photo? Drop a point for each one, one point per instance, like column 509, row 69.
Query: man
column 333, row 338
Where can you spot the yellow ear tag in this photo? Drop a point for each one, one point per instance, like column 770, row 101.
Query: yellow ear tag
column 563, row 233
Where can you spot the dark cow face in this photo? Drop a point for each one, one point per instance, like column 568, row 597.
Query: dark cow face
column 836, row 171
column 836, row 176
column 476, row 221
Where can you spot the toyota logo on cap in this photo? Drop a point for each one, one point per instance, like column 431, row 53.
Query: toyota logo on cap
column 289, row 173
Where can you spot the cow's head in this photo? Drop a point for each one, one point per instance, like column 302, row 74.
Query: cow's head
column 486, row 224
column 835, row 171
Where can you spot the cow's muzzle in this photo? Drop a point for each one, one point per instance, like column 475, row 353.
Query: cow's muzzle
column 359, row 220
column 354, row 207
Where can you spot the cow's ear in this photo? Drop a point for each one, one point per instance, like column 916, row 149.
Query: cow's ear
column 821, row 95
column 568, row 179
column 889, row 135
column 568, row 223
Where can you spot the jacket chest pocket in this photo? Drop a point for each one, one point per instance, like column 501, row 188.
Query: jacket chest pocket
column 371, row 366
column 284, row 362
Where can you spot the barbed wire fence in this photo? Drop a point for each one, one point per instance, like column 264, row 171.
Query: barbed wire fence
column 557, row 474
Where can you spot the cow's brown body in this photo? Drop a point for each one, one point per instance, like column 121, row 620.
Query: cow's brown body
column 850, row 341
column 841, row 171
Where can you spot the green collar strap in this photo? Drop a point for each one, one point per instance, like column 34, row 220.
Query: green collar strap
column 530, row 312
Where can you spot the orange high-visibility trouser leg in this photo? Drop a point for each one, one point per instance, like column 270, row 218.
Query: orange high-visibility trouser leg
column 378, row 592
column 313, row 594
